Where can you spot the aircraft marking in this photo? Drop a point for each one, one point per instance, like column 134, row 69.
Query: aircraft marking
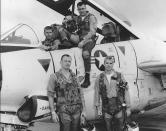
column 99, row 57
column 8, row 112
column 45, row 63
column 41, row 116
column 122, row 49
column 44, row 108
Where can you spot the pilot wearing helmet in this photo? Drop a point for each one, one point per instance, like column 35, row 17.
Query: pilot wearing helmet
column 109, row 32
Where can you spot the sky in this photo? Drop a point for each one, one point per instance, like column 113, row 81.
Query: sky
column 29, row 12
column 146, row 16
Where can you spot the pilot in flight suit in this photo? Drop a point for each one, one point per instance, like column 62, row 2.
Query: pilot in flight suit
column 70, row 103
column 108, row 91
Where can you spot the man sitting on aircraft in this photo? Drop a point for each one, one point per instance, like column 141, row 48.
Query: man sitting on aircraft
column 87, row 26
column 51, row 41
column 70, row 99
column 109, row 32
column 107, row 89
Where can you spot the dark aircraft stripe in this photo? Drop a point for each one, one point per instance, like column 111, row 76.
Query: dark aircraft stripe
column 4, row 49
column 8, row 112
column 42, row 116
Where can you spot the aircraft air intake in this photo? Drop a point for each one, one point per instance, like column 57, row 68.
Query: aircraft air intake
column 27, row 111
column 35, row 108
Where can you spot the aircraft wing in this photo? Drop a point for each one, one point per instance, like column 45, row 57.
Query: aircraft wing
column 153, row 119
column 153, row 66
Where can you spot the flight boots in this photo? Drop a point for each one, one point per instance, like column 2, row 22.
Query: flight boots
column 86, row 82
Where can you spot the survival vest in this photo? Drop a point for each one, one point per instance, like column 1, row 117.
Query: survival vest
column 67, row 93
column 110, row 105
column 83, row 25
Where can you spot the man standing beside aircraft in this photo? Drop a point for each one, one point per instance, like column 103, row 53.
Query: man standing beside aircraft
column 107, row 89
column 70, row 99
column 51, row 41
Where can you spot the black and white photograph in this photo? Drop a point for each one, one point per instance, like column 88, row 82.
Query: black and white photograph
column 83, row 65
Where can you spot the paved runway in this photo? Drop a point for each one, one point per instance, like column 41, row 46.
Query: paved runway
column 53, row 127
column 147, row 122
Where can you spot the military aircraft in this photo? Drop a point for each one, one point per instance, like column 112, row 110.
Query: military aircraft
column 25, row 69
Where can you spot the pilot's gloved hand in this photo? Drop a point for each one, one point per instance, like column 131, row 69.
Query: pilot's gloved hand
column 55, row 117
column 74, row 38
column 55, row 47
column 56, row 44
column 42, row 47
column 81, row 44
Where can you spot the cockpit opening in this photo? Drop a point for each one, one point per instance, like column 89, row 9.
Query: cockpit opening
column 21, row 34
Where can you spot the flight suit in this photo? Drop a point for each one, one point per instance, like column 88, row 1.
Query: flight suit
column 111, row 98
column 69, row 100
column 87, row 27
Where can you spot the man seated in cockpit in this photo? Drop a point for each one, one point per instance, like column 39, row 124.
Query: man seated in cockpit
column 109, row 32
column 51, row 41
